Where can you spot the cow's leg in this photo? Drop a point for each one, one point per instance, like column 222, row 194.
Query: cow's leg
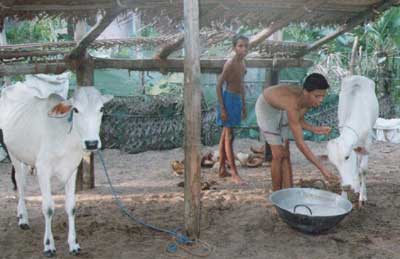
column 20, row 176
column 47, row 209
column 70, row 209
column 363, row 173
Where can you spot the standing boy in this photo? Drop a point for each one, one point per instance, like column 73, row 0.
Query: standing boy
column 231, row 104
column 281, row 108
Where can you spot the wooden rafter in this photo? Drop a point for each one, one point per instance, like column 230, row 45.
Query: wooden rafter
column 168, row 49
column 37, row 68
column 34, row 53
column 351, row 23
column 171, row 65
column 95, row 32
column 207, row 65
column 286, row 20
column 103, row 43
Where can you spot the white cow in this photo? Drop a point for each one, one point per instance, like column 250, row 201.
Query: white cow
column 45, row 86
column 358, row 110
column 54, row 145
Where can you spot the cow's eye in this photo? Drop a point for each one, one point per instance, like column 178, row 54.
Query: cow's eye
column 75, row 110
column 102, row 109
column 347, row 157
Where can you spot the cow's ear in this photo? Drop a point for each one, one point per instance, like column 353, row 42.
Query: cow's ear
column 61, row 109
column 106, row 98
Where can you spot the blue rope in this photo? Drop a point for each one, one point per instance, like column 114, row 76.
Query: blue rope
column 172, row 247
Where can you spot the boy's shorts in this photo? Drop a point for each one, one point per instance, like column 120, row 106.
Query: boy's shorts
column 233, row 107
column 273, row 122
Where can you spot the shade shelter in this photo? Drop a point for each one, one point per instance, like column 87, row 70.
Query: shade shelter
column 203, row 21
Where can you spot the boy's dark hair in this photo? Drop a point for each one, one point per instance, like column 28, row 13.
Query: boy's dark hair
column 315, row 81
column 238, row 37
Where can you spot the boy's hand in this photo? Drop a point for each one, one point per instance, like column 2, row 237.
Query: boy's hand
column 331, row 178
column 322, row 130
column 224, row 115
column 244, row 113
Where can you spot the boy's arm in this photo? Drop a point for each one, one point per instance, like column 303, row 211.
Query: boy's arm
column 243, row 94
column 220, row 82
column 323, row 130
column 296, row 128
column 305, row 125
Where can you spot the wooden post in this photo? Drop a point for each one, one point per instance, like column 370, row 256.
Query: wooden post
column 84, row 77
column 192, row 109
column 352, row 65
column 3, row 41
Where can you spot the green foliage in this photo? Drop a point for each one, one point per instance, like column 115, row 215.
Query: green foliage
column 43, row 30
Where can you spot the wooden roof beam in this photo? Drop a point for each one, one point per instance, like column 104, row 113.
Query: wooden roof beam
column 351, row 23
column 285, row 21
column 171, row 65
column 206, row 65
column 29, row 54
column 168, row 49
column 80, row 49
column 37, row 68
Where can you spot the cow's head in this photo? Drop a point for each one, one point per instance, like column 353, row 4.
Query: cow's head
column 85, row 110
column 344, row 158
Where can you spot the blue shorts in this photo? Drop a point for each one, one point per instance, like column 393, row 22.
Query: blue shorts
column 233, row 107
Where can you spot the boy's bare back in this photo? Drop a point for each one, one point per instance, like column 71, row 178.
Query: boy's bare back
column 284, row 97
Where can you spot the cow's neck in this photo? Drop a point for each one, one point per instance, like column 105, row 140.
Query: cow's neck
column 349, row 136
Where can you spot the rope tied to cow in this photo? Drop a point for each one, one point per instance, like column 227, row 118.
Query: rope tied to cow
column 181, row 241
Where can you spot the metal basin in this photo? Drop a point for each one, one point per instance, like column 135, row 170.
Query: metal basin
column 309, row 210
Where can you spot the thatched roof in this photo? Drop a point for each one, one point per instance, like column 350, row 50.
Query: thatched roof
column 266, row 15
column 254, row 12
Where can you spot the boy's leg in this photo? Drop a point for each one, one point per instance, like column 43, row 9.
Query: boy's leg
column 287, row 175
column 230, row 155
column 222, row 155
column 278, row 154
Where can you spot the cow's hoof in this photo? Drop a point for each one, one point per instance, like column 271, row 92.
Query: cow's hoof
column 24, row 226
column 49, row 253
column 75, row 251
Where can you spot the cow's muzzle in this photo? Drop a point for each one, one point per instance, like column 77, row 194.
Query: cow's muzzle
column 92, row 144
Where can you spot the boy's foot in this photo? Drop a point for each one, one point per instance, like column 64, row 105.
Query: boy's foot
column 223, row 173
column 236, row 179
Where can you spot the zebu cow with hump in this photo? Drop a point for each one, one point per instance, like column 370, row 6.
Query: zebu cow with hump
column 51, row 135
column 358, row 110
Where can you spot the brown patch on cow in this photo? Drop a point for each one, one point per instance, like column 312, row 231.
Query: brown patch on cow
column 61, row 108
column 361, row 150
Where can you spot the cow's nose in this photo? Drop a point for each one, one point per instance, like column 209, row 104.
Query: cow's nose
column 91, row 144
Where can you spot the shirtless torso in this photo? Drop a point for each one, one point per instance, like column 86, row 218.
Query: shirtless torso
column 296, row 102
column 234, row 75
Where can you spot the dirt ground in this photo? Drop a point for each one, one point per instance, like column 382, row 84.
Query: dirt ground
column 236, row 221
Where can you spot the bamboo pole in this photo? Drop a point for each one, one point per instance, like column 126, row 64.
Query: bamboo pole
column 192, row 110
